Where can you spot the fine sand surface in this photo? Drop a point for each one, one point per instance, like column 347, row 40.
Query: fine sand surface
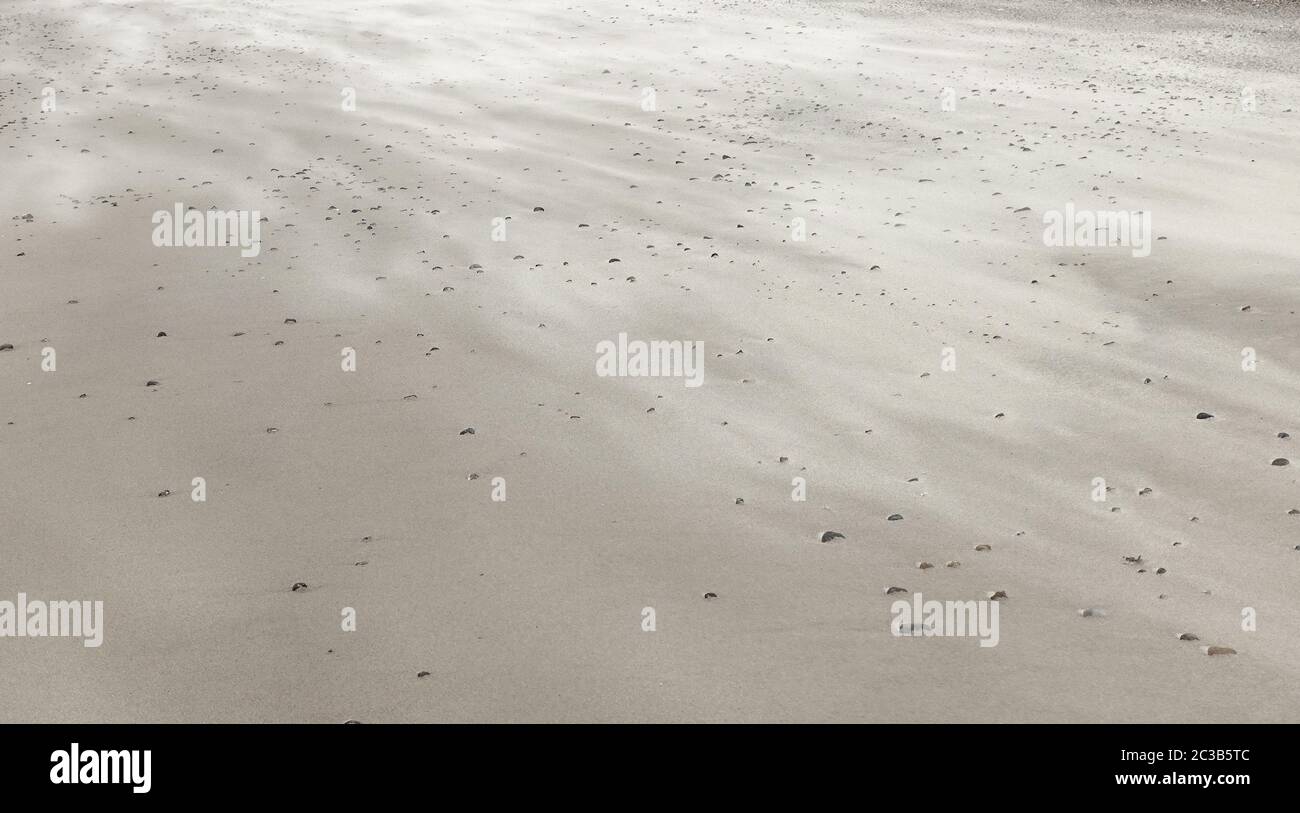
column 924, row 232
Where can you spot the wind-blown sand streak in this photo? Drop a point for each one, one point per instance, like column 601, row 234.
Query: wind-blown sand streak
column 923, row 232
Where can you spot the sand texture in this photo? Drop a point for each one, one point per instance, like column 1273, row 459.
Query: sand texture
column 861, row 254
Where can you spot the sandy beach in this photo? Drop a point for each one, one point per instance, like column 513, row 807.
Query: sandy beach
column 256, row 454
